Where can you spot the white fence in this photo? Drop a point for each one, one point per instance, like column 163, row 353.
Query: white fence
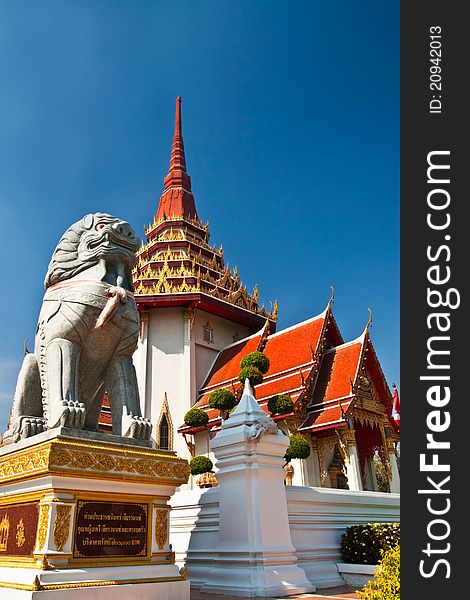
column 317, row 518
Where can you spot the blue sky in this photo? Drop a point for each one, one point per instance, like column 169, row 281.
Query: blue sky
column 291, row 128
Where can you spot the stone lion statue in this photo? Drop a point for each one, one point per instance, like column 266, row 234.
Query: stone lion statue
column 87, row 332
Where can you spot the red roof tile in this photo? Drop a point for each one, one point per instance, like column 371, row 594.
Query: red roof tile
column 227, row 364
column 293, row 347
column 291, row 384
column 337, row 370
column 329, row 415
column 289, row 352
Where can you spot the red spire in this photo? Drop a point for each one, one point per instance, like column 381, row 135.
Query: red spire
column 177, row 198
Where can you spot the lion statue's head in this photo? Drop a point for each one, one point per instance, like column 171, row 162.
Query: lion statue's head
column 86, row 242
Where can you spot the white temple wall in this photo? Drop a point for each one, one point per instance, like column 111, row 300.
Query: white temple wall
column 223, row 336
column 173, row 358
column 168, row 370
column 317, row 519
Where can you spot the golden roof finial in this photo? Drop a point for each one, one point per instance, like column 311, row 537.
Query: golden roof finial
column 369, row 322
column 332, row 298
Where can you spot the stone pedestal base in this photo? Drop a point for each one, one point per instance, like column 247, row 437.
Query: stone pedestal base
column 142, row 582
column 241, row 576
column 87, row 517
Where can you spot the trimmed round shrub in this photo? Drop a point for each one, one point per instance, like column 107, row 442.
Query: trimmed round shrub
column 256, row 359
column 196, row 417
column 252, row 373
column 222, row 399
column 386, row 584
column 200, row 464
column 363, row 544
column 298, row 448
column 280, row 404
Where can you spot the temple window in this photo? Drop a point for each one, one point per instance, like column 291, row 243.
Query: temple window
column 208, row 333
column 164, row 433
column 164, row 428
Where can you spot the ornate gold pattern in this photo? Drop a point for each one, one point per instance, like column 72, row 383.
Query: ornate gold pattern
column 324, row 444
column 205, row 480
column 93, row 460
column 371, row 419
column 161, row 527
column 21, row 462
column 61, row 525
column 20, row 537
column 43, row 525
column 4, row 533
column 347, row 436
column 188, row 265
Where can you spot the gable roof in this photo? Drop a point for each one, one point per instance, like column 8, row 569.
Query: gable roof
column 293, row 354
column 337, row 383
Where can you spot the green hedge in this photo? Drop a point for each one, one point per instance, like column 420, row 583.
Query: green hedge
column 362, row 544
column 196, row 417
column 200, row 464
column 222, row 399
column 280, row 404
column 256, row 359
column 252, row 373
column 298, row 447
column 386, row 585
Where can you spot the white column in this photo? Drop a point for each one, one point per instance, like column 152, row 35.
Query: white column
column 395, row 473
column 142, row 360
column 313, row 462
column 189, row 359
column 253, row 557
column 353, row 465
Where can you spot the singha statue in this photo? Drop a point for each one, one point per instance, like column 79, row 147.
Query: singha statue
column 87, row 332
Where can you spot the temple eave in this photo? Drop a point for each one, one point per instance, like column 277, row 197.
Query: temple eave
column 206, row 303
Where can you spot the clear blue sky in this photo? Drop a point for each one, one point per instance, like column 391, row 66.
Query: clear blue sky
column 291, row 128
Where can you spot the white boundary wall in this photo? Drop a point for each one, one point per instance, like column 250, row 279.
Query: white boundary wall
column 317, row 518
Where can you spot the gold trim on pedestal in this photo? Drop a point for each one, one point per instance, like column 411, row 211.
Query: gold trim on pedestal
column 61, row 527
column 37, row 586
column 43, row 525
column 161, row 527
column 87, row 459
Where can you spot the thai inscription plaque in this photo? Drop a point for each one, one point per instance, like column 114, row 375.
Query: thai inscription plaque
column 18, row 524
column 110, row 529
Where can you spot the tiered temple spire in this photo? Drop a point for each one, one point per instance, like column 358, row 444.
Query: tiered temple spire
column 177, row 260
column 177, row 199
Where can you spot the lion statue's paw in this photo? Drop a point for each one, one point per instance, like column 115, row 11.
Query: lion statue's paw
column 138, row 428
column 68, row 413
column 24, row 427
column 32, row 426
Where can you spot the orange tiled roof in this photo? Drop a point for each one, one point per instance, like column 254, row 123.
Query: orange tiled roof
column 338, row 372
column 327, row 415
column 290, row 353
column 333, row 391
column 227, row 364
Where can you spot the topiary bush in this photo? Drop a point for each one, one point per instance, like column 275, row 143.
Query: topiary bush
column 298, row 448
column 222, row 399
column 196, row 417
column 362, row 544
column 252, row 373
column 386, row 585
column 200, row 464
column 280, row 404
column 256, row 359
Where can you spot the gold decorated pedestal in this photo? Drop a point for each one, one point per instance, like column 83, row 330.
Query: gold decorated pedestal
column 87, row 512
